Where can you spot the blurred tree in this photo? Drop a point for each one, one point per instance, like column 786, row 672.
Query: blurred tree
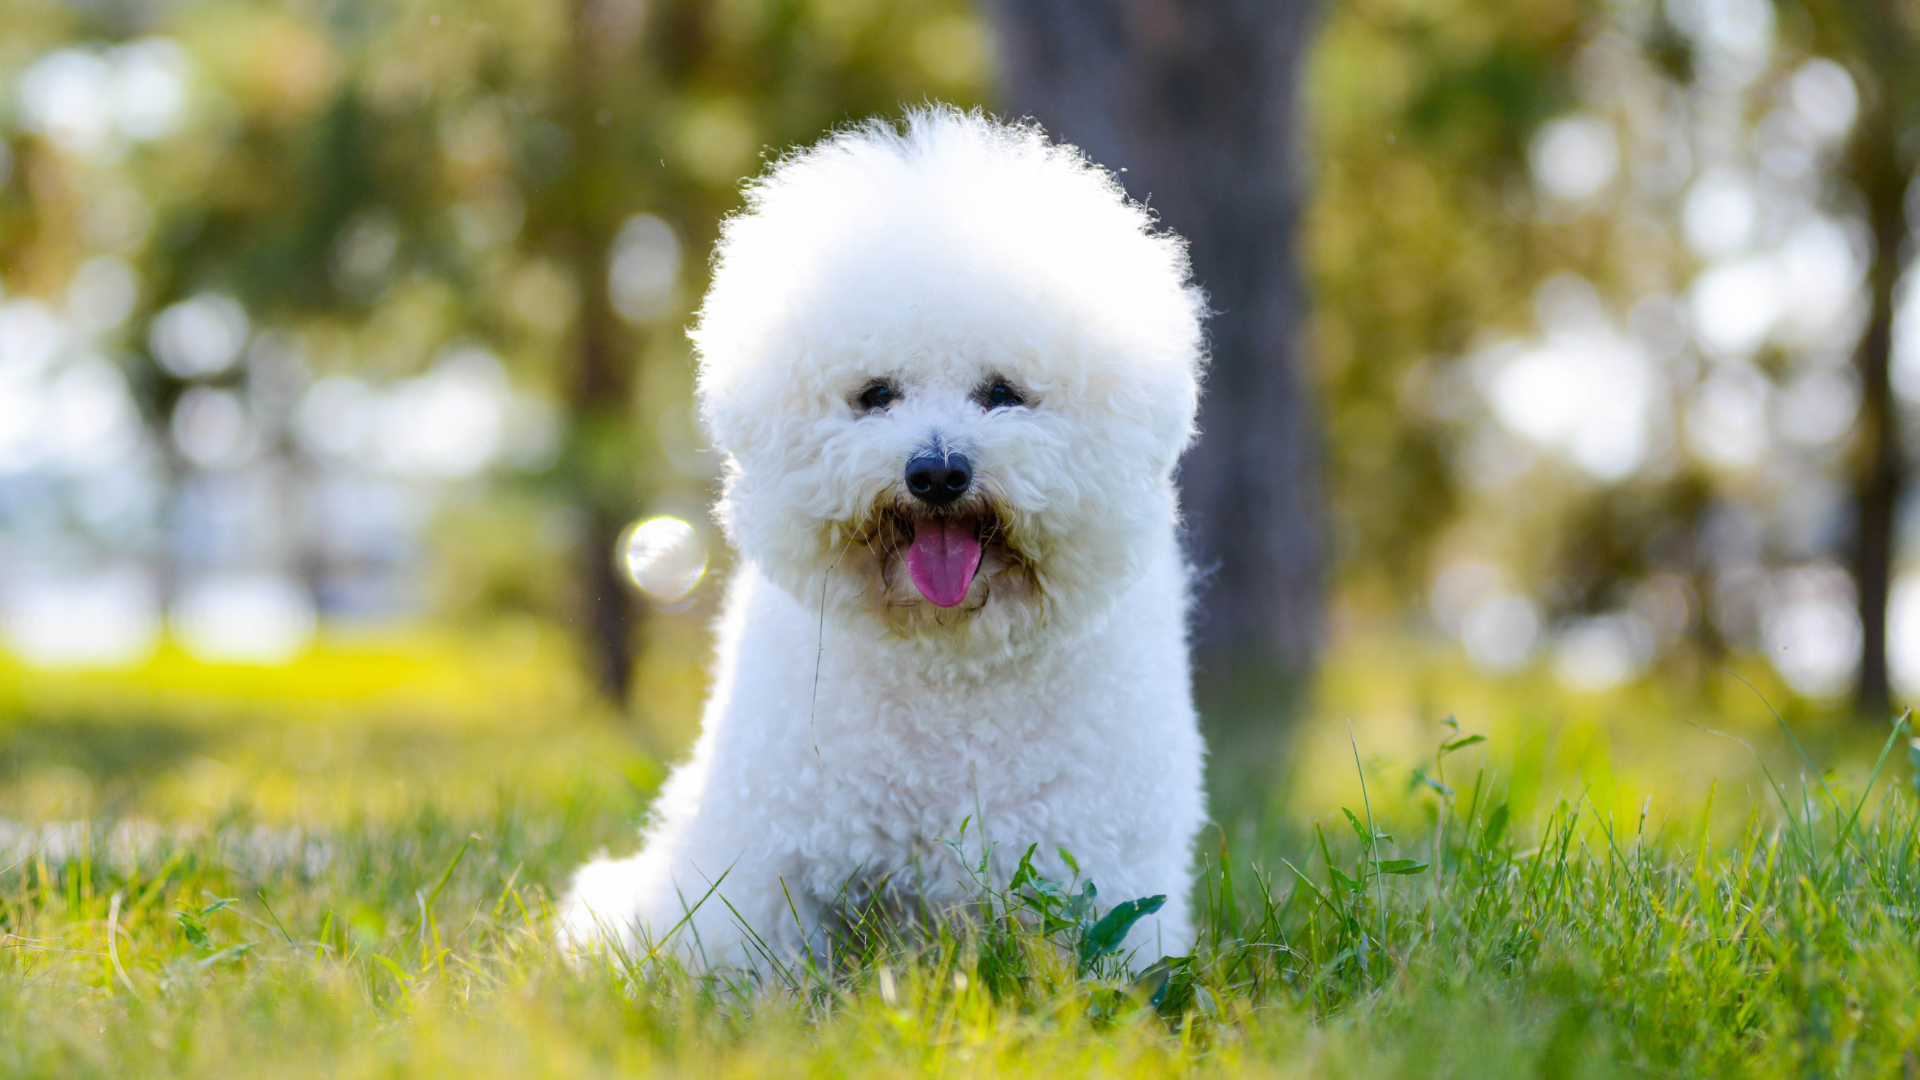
column 1585, row 278
column 1663, row 461
column 600, row 391
column 1196, row 103
column 1877, row 39
column 395, row 190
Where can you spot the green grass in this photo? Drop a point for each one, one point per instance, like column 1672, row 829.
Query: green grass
column 386, row 911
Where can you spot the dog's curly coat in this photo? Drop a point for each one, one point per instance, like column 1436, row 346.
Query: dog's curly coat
column 889, row 667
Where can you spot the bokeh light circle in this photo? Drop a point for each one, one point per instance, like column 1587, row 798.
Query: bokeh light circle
column 663, row 558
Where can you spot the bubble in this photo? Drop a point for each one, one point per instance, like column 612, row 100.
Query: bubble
column 102, row 293
column 66, row 95
column 1823, row 92
column 1603, row 651
column 1721, row 214
column 643, row 268
column 1811, row 628
column 149, row 88
column 663, row 558
column 212, row 428
column 1500, row 632
column 107, row 617
column 1726, row 421
column 1576, row 157
column 199, row 337
column 364, row 253
column 260, row 618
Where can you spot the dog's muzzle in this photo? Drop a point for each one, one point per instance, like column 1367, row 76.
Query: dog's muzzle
column 939, row 479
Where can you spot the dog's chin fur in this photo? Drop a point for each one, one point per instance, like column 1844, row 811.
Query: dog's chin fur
column 1021, row 313
column 1004, row 607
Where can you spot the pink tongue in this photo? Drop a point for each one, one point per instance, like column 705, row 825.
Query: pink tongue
column 943, row 558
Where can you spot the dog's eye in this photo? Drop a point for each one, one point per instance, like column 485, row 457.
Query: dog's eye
column 877, row 396
column 1001, row 396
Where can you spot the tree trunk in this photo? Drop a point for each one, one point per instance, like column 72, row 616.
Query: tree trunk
column 1879, row 46
column 600, row 389
column 1196, row 100
column 1875, row 169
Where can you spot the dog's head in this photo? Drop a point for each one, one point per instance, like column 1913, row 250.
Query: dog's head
column 951, row 368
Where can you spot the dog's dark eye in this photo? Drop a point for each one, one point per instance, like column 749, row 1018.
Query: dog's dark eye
column 877, row 396
column 1000, row 396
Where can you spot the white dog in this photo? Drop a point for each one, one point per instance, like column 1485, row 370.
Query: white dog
column 951, row 369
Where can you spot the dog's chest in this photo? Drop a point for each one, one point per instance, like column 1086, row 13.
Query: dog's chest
column 914, row 771
column 908, row 766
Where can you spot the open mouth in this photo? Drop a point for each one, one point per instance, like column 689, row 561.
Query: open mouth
column 943, row 557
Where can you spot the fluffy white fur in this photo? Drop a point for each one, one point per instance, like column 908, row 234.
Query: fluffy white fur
column 854, row 725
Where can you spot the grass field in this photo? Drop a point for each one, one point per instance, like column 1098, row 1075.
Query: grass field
column 347, row 869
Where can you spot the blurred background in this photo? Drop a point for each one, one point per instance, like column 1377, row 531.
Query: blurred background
column 1566, row 379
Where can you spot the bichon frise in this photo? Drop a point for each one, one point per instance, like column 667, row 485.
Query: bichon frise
column 951, row 368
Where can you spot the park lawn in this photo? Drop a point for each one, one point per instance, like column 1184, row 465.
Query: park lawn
column 280, row 884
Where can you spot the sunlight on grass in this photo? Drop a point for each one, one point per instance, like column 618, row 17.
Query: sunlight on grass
column 347, row 867
column 365, row 727
column 1645, row 745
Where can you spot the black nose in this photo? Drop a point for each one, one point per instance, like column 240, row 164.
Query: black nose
column 938, row 479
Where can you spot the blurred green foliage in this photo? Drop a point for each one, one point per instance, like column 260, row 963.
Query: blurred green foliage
column 388, row 186
column 1419, row 238
column 382, row 182
column 1573, row 339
